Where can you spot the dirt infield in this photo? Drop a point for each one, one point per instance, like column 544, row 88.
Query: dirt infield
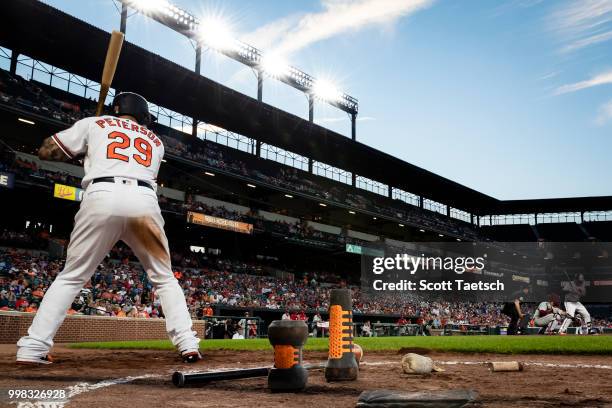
column 102, row 378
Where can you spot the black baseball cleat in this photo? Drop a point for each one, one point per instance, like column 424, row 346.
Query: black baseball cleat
column 191, row 356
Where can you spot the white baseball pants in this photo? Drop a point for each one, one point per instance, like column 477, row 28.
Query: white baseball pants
column 550, row 321
column 573, row 309
column 111, row 212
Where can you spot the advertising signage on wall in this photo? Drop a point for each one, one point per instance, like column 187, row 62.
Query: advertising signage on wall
column 222, row 223
column 67, row 192
column 360, row 250
column 7, row 180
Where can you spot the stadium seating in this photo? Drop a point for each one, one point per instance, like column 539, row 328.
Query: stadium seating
column 67, row 108
column 120, row 287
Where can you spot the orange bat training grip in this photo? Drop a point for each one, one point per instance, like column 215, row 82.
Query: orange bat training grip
column 285, row 356
column 341, row 362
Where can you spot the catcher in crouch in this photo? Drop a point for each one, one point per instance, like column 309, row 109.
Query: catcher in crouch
column 549, row 314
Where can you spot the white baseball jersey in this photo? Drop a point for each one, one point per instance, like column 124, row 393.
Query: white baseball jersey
column 113, row 147
column 544, row 309
column 109, row 212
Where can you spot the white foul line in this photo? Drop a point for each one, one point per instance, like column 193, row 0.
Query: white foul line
column 529, row 363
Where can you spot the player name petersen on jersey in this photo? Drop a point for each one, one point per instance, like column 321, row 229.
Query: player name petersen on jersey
column 113, row 147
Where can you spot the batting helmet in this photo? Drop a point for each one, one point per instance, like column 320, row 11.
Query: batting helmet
column 132, row 104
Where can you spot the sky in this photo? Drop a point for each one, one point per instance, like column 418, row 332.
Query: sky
column 510, row 98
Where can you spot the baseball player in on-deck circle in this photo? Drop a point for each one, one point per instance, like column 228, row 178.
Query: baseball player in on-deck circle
column 121, row 162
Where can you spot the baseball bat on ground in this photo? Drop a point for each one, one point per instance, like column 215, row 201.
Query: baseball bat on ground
column 110, row 65
column 506, row 366
column 180, row 379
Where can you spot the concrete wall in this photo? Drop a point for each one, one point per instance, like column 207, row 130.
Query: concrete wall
column 277, row 217
column 362, row 235
column 71, row 169
column 217, row 203
column 171, row 193
column 325, row 228
column 400, row 244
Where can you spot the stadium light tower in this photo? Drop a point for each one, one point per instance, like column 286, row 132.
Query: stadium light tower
column 274, row 66
column 216, row 35
column 325, row 90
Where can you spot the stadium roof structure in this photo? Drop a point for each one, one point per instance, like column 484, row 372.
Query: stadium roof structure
column 64, row 41
column 553, row 205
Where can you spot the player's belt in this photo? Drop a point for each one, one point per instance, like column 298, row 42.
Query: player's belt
column 112, row 180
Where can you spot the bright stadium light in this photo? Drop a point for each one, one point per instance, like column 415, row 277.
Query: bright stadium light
column 274, row 65
column 216, row 33
column 324, row 89
column 213, row 31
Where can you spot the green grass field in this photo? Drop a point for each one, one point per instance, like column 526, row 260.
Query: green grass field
column 462, row 344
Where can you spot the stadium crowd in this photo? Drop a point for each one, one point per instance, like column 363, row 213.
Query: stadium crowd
column 29, row 96
column 29, row 170
column 119, row 287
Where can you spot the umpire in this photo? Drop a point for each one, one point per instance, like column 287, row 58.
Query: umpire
column 513, row 309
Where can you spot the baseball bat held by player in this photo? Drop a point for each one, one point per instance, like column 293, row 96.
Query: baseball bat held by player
column 110, row 65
